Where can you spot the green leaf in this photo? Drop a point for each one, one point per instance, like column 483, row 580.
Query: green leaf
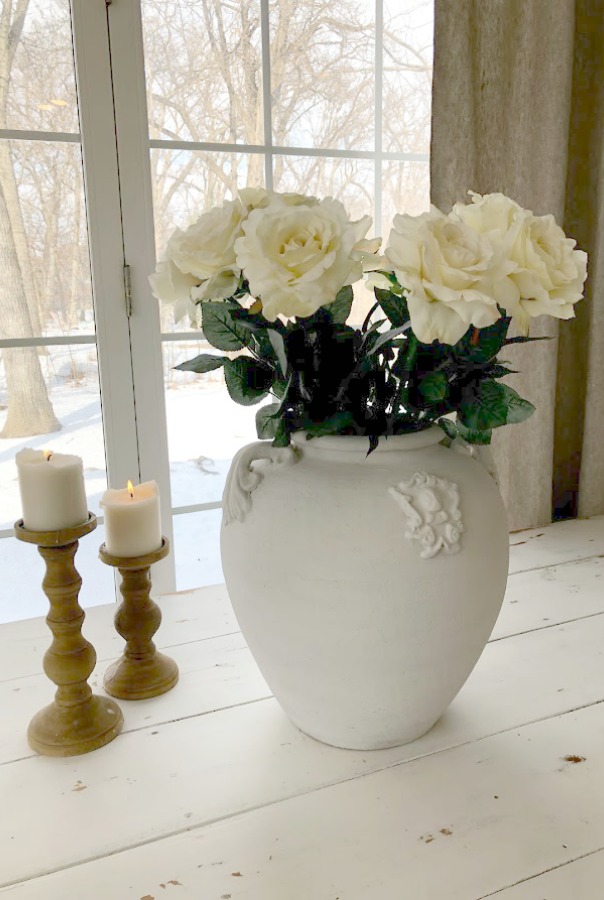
column 332, row 425
column 522, row 339
column 498, row 371
column 280, row 387
column 457, row 429
column 374, row 440
column 449, row 428
column 339, row 310
column 434, row 387
column 494, row 404
column 281, row 438
column 393, row 306
column 486, row 408
column 205, row 362
column 474, row 436
column 491, row 339
column 220, row 328
column 247, row 380
column 519, row 409
column 387, row 336
column 278, row 345
column 266, row 424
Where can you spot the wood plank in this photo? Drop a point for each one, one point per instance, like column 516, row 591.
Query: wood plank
column 457, row 825
column 188, row 616
column 215, row 674
column 581, row 879
column 557, row 543
column 544, row 597
column 164, row 778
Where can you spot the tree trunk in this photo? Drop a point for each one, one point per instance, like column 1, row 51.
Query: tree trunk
column 20, row 240
column 29, row 409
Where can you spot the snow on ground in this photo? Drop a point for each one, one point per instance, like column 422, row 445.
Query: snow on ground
column 205, row 430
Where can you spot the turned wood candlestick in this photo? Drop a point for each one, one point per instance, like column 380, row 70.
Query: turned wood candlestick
column 141, row 672
column 78, row 721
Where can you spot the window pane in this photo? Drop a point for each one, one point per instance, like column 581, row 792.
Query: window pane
column 205, row 427
column 322, row 73
column 197, row 549
column 349, row 180
column 45, row 250
column 21, row 593
column 37, row 385
column 406, row 189
column 204, row 70
column 407, row 84
column 41, row 94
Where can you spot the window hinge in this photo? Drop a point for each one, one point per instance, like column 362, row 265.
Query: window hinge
column 128, row 290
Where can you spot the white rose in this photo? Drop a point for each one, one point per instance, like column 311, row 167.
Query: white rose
column 259, row 198
column 549, row 274
column 444, row 266
column 170, row 285
column 297, row 257
column 206, row 250
column 488, row 214
column 540, row 272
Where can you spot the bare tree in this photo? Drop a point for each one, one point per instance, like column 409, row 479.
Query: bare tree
column 29, row 408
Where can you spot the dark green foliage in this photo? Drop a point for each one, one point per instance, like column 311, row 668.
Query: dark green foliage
column 379, row 380
column 205, row 362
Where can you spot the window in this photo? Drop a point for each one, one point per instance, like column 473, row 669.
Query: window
column 330, row 97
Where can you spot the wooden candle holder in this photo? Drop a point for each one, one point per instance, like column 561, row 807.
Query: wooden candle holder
column 78, row 721
column 141, row 672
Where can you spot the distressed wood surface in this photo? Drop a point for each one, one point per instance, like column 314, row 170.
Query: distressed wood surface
column 457, row 825
column 211, row 779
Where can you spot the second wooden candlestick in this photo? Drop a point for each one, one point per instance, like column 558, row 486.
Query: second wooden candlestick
column 141, row 672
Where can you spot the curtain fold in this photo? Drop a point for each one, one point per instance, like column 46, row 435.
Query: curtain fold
column 518, row 107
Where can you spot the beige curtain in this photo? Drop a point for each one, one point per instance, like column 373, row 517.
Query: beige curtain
column 518, row 107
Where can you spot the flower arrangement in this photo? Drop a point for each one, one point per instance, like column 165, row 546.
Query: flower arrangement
column 273, row 276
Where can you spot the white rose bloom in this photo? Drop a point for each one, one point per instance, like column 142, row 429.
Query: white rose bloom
column 490, row 215
column 444, row 266
column 549, row 275
column 297, row 257
column 259, row 198
column 206, row 250
column 170, row 285
column 377, row 280
column 540, row 272
column 367, row 252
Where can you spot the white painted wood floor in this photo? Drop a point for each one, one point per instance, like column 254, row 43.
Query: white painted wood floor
column 211, row 794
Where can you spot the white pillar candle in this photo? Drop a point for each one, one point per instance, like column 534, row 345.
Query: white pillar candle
column 52, row 490
column 132, row 520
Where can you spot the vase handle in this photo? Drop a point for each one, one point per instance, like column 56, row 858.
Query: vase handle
column 244, row 477
column 480, row 453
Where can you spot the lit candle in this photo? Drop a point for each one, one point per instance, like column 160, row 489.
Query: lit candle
column 132, row 520
column 52, row 490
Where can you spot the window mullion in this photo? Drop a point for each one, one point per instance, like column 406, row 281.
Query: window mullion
column 379, row 69
column 126, row 39
column 266, row 93
column 93, row 76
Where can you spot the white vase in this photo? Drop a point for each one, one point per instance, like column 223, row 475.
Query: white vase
column 365, row 587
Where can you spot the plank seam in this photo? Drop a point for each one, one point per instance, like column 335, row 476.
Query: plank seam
column 258, row 806
column 539, row 874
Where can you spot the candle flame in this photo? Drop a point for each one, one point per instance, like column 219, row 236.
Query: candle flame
column 130, row 488
column 47, row 454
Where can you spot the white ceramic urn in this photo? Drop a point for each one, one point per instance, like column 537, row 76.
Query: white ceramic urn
column 366, row 587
